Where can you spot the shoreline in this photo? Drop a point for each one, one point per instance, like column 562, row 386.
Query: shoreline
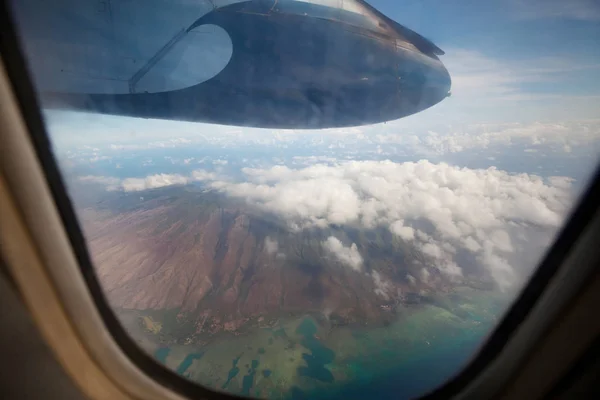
column 279, row 359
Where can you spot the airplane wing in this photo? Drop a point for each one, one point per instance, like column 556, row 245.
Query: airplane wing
column 263, row 63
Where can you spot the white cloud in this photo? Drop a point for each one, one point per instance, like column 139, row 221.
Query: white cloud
column 382, row 287
column 369, row 192
column 452, row 129
column 159, row 144
column 346, row 255
column 271, row 245
column 148, row 182
column 563, row 182
column 501, row 240
column 136, row 184
column 405, row 232
column 503, row 273
column 562, row 136
column 438, row 207
column 153, row 182
column 309, row 160
column 203, row 175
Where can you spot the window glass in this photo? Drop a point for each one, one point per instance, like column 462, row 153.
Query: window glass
column 284, row 207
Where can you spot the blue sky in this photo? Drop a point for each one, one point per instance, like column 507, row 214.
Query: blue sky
column 508, row 29
column 539, row 59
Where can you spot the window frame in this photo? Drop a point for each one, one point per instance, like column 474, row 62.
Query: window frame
column 558, row 278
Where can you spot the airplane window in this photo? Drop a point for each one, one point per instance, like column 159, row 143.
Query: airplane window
column 279, row 206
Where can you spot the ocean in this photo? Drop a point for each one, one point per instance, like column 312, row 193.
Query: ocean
column 302, row 358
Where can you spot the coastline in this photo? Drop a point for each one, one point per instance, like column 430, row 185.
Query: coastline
column 306, row 357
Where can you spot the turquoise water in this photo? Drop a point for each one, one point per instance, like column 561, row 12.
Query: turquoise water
column 248, row 380
column 396, row 366
column 320, row 355
column 303, row 359
column 392, row 374
column 232, row 372
column 161, row 354
column 187, row 362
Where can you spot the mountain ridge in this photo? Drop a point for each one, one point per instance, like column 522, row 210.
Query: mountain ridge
column 220, row 263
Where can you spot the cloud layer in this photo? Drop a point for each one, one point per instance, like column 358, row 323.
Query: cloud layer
column 450, row 214
column 149, row 182
column 443, row 210
column 346, row 255
column 271, row 245
column 563, row 137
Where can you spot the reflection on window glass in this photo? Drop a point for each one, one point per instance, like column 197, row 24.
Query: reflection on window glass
column 282, row 207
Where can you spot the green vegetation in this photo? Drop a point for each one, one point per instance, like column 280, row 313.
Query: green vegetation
column 152, row 325
column 174, row 325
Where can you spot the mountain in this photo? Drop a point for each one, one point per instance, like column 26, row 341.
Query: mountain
column 212, row 264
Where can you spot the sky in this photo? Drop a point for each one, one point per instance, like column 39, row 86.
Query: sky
column 512, row 60
column 491, row 172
